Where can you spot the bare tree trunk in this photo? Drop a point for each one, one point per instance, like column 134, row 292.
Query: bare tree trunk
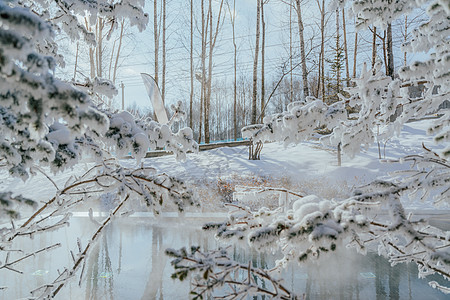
column 354, row 54
column 263, row 41
column 76, row 64
column 111, row 59
column 101, row 24
column 347, row 71
column 302, row 49
column 203, row 61
column 208, row 92
column 291, row 84
column 156, row 38
column 383, row 40
column 163, row 81
column 92, row 61
column 233, row 18
column 374, row 46
column 338, row 71
column 212, row 43
column 406, row 39
column 390, row 52
column 118, row 51
column 255, row 63
column 191, row 58
column 235, row 73
column 322, row 47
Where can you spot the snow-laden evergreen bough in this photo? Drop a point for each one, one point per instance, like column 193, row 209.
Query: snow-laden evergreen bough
column 372, row 220
column 433, row 73
column 49, row 124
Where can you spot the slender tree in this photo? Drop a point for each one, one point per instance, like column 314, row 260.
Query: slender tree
column 232, row 20
column 191, row 60
column 212, row 42
column 355, row 52
column 301, row 30
column 156, row 38
column 255, row 62
column 390, row 51
column 405, row 39
column 374, row 45
column 163, row 79
column 338, row 55
column 347, row 72
column 291, row 53
column 263, row 42
column 322, row 47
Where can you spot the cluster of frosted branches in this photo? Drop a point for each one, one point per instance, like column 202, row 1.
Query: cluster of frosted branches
column 217, row 275
column 46, row 122
column 298, row 123
column 376, row 97
column 431, row 73
column 66, row 15
column 106, row 180
column 429, row 176
column 374, row 218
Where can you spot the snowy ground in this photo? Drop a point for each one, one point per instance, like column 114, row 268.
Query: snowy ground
column 307, row 168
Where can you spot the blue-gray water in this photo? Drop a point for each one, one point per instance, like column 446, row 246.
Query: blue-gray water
column 128, row 262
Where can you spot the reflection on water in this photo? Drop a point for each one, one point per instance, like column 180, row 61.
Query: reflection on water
column 128, row 262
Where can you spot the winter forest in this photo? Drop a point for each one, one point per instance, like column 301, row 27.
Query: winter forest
column 203, row 149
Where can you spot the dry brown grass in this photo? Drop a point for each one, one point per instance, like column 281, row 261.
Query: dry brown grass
column 214, row 193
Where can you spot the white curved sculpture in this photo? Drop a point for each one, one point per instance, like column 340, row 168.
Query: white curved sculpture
column 155, row 97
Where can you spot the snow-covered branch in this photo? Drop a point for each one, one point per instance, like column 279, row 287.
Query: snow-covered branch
column 215, row 271
column 374, row 218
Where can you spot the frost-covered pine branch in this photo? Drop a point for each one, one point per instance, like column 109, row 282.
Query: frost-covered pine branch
column 376, row 96
column 428, row 176
column 107, row 180
column 432, row 72
column 373, row 218
column 215, row 271
column 298, row 123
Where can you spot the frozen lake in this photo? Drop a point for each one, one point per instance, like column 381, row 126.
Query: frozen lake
column 128, row 262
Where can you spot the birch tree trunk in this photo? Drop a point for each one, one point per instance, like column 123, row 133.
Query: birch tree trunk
column 191, row 59
column 232, row 19
column 263, row 40
column 302, row 49
column 156, row 38
column 163, row 81
column 76, row 64
column 101, row 24
column 291, row 83
column 203, row 61
column 338, row 70
column 374, row 45
column 255, row 63
column 118, row 51
column 390, row 52
column 208, row 92
column 322, row 48
column 406, row 39
column 355, row 52
column 347, row 71
column 212, row 43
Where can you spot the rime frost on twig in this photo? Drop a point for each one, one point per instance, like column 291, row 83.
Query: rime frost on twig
column 373, row 218
column 215, row 271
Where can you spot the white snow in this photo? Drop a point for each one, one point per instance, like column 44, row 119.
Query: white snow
column 308, row 166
